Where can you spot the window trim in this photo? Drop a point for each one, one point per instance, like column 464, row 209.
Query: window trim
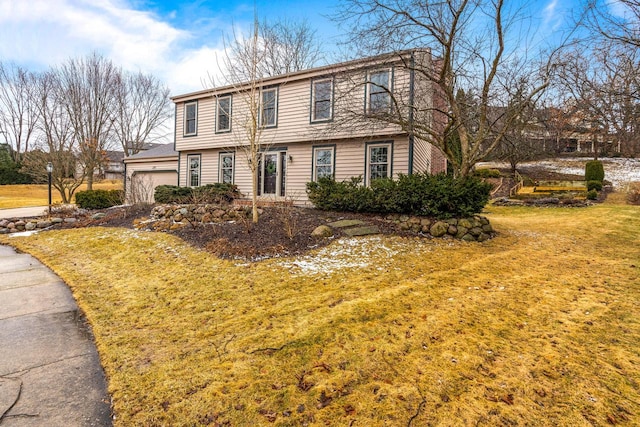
column 367, row 166
column 312, row 118
column 369, row 92
column 315, row 148
column 221, row 169
column 275, row 112
column 189, row 181
column 184, row 123
column 218, row 99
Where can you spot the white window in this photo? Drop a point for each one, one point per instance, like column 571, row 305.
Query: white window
column 223, row 107
column 190, row 118
column 379, row 92
column 193, row 162
column 226, row 168
column 321, row 100
column 323, row 162
column 269, row 107
column 379, row 158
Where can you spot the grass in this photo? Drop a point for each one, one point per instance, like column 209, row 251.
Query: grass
column 25, row 195
column 538, row 326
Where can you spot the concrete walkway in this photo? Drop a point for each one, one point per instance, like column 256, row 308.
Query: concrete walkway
column 50, row 374
column 23, row 212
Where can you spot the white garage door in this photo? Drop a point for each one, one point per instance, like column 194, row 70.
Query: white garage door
column 143, row 184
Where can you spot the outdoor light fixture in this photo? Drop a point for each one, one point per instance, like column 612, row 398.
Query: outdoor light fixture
column 49, row 170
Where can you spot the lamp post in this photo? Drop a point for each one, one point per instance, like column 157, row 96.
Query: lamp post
column 49, row 170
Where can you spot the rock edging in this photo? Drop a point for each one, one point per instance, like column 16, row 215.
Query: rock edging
column 8, row 226
column 472, row 229
column 175, row 216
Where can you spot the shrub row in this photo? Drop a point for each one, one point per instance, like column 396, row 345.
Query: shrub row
column 440, row 196
column 99, row 199
column 210, row 193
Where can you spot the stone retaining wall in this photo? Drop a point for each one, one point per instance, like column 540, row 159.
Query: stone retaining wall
column 199, row 213
column 473, row 229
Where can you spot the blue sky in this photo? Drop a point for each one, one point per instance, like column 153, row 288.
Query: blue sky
column 180, row 41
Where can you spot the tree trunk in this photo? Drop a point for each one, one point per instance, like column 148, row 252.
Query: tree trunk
column 89, row 173
column 254, row 193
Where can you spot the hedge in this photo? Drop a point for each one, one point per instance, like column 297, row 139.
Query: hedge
column 440, row 196
column 99, row 199
column 210, row 193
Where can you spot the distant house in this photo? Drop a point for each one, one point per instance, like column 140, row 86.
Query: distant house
column 312, row 123
column 146, row 170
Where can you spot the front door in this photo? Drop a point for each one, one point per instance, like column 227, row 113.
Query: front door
column 272, row 173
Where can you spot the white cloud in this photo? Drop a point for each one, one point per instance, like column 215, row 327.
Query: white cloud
column 42, row 33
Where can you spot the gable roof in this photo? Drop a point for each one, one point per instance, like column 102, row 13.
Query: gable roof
column 164, row 150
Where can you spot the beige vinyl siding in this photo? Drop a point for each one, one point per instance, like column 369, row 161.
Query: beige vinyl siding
column 421, row 156
column 293, row 116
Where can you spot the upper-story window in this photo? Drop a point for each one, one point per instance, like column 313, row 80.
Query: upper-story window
column 191, row 118
column 321, row 100
column 379, row 92
column 269, row 107
column 223, row 107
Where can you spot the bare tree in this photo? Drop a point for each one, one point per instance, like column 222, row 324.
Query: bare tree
column 617, row 21
column 267, row 50
column 56, row 139
column 141, row 111
column 468, row 39
column 89, row 96
column 17, row 112
column 605, row 92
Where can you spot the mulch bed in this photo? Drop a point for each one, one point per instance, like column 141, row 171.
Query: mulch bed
column 278, row 232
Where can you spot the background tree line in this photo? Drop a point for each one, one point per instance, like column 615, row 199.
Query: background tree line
column 71, row 116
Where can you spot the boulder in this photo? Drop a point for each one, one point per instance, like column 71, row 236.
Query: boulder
column 453, row 230
column 98, row 215
column 468, row 238
column 70, row 220
column 43, row 224
column 56, row 220
column 439, row 229
column 483, row 237
column 322, row 231
column 465, row 223
column 30, row 226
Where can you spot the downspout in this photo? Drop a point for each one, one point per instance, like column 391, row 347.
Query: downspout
column 175, row 136
column 411, row 100
column 124, row 182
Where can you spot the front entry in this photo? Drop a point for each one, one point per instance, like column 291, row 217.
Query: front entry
column 272, row 173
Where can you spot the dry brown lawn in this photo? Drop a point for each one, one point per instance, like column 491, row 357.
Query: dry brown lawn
column 538, row 326
column 24, row 195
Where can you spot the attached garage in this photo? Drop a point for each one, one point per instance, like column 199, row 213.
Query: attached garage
column 147, row 170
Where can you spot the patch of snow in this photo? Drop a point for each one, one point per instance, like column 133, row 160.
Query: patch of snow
column 24, row 233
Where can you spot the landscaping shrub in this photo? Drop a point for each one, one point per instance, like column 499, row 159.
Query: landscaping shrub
column 440, row 196
column 594, row 185
column 633, row 195
column 487, row 173
column 592, row 195
column 210, row 193
column 99, row 199
column 594, row 171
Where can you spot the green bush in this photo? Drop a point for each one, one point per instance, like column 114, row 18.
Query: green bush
column 99, row 199
column 594, row 185
column 487, row 173
column 210, row 193
column 594, row 171
column 592, row 195
column 440, row 196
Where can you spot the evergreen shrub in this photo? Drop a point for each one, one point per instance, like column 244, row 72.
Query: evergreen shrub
column 594, row 171
column 594, row 185
column 99, row 199
column 210, row 193
column 440, row 196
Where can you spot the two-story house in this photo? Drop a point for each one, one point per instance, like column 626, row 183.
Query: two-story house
column 325, row 121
